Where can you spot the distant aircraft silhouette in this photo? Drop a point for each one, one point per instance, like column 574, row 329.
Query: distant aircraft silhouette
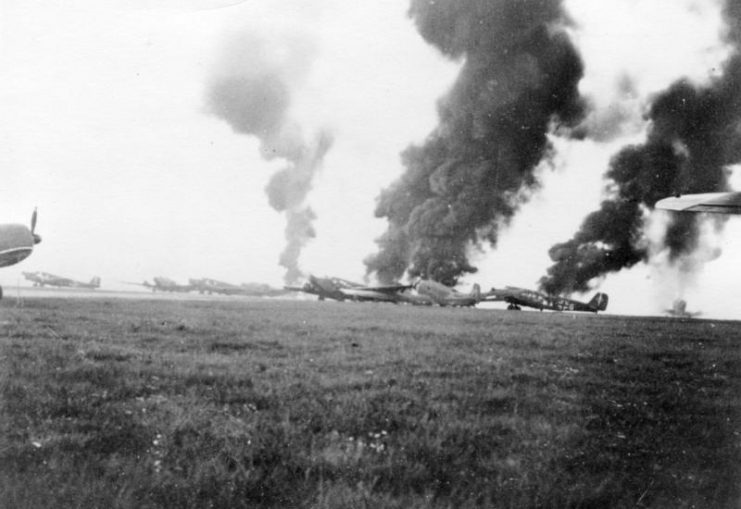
column 206, row 285
column 209, row 286
column 163, row 284
column 679, row 309
column 443, row 295
column 46, row 279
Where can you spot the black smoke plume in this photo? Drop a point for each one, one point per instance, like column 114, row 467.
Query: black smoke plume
column 694, row 133
column 518, row 80
column 251, row 91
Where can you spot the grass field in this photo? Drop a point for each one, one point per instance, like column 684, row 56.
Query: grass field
column 141, row 403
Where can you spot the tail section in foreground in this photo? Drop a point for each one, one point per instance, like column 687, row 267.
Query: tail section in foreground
column 476, row 292
column 599, row 302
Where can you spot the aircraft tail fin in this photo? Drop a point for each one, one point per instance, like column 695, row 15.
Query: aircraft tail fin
column 476, row 292
column 599, row 302
column 95, row 282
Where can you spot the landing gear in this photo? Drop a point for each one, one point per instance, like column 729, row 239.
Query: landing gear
column 513, row 307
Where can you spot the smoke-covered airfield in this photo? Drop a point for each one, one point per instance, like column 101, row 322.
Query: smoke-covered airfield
column 436, row 221
column 193, row 190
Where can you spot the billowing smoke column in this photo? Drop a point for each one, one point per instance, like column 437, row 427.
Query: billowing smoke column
column 694, row 133
column 518, row 80
column 251, row 92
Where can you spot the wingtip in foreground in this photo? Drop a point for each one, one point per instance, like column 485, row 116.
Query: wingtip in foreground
column 716, row 203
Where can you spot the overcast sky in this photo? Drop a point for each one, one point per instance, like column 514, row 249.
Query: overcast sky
column 105, row 127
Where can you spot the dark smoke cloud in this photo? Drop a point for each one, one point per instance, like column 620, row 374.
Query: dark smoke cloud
column 695, row 132
column 299, row 230
column 518, row 79
column 251, row 91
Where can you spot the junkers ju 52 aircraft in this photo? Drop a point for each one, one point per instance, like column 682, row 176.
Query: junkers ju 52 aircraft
column 426, row 292
column 206, row 285
column 340, row 289
column 518, row 297
column 16, row 243
column 210, row 286
column 443, row 295
column 163, row 284
column 717, row 203
column 46, row 279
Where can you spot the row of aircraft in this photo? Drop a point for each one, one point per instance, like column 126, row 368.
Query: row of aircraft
column 163, row 284
column 211, row 286
column 427, row 292
column 17, row 242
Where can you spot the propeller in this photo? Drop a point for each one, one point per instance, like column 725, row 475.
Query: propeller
column 36, row 237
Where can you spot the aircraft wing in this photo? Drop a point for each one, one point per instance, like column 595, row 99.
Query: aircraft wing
column 367, row 294
column 386, row 289
column 496, row 295
column 304, row 288
column 718, row 203
column 414, row 298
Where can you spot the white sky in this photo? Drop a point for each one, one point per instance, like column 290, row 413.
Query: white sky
column 104, row 128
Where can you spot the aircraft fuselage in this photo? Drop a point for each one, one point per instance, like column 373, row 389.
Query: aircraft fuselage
column 517, row 297
column 446, row 296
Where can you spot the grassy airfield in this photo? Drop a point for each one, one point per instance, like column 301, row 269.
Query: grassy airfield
column 193, row 403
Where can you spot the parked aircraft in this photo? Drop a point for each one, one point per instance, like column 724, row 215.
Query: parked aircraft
column 16, row 243
column 719, row 203
column 206, row 285
column 443, row 295
column 518, row 297
column 412, row 297
column 46, row 279
column 164, row 284
column 260, row 290
column 679, row 309
column 341, row 289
